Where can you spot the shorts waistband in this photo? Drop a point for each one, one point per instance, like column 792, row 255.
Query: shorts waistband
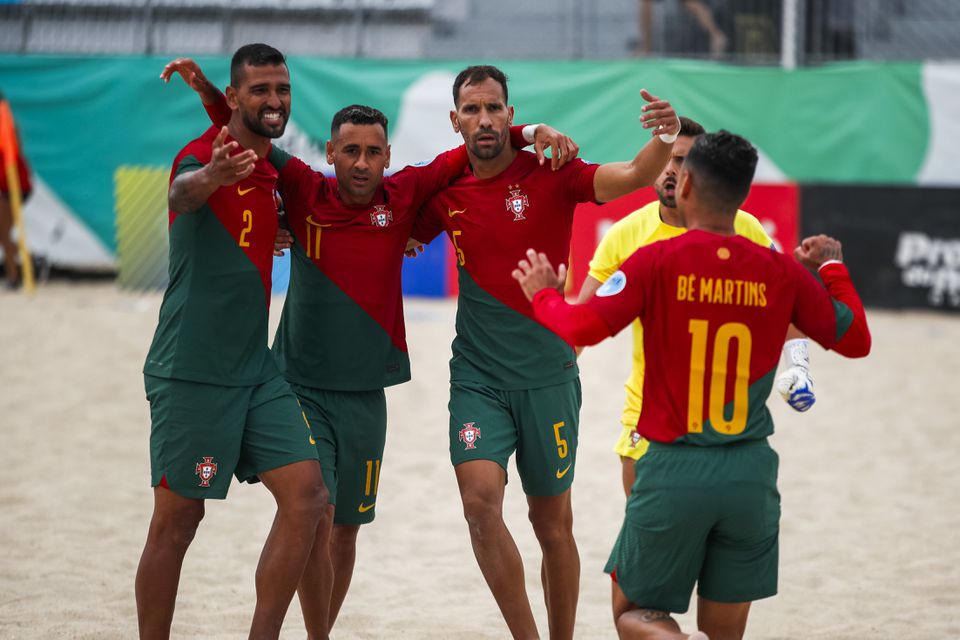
column 686, row 446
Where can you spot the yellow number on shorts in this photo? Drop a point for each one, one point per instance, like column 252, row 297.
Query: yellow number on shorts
column 562, row 448
column 727, row 332
column 373, row 476
column 462, row 259
column 247, row 220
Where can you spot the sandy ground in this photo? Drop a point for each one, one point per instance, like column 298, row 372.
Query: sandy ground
column 870, row 544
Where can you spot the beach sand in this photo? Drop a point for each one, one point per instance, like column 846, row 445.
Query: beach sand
column 870, row 537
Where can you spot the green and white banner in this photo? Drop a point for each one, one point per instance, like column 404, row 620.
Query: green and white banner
column 90, row 125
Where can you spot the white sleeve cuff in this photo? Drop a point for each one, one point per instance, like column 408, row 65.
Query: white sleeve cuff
column 670, row 138
column 829, row 262
column 530, row 133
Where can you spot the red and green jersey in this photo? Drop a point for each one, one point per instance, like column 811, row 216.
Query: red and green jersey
column 715, row 310
column 213, row 320
column 492, row 222
column 342, row 325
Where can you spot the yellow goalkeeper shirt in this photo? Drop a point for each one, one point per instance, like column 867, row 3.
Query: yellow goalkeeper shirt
column 638, row 229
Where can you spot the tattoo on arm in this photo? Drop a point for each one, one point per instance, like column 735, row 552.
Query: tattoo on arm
column 831, row 252
column 649, row 615
column 189, row 191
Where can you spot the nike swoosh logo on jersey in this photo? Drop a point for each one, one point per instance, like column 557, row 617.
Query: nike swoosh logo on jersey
column 243, row 192
column 453, row 212
column 560, row 474
column 364, row 508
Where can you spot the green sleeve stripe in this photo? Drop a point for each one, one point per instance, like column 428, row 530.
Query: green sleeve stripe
column 844, row 317
column 187, row 164
column 278, row 157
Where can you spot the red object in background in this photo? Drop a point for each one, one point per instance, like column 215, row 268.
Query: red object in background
column 777, row 206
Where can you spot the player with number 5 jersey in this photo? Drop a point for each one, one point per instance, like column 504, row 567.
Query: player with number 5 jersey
column 514, row 386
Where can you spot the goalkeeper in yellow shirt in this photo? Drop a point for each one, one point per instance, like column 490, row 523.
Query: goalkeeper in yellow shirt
column 657, row 221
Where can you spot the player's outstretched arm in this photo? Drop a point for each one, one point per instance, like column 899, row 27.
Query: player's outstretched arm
column 190, row 71
column 189, row 191
column 575, row 324
column 824, row 254
column 615, row 179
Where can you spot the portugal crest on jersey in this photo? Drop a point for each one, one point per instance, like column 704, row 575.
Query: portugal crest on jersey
column 381, row 216
column 206, row 470
column 469, row 435
column 517, row 202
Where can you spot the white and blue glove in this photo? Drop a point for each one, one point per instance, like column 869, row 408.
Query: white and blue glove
column 795, row 383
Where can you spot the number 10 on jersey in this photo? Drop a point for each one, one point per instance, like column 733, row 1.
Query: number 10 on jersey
column 725, row 336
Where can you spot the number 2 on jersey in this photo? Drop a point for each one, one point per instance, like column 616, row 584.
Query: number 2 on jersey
column 247, row 220
column 726, row 333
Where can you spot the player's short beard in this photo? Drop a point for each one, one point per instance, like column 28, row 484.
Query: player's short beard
column 487, row 153
column 258, row 128
column 668, row 201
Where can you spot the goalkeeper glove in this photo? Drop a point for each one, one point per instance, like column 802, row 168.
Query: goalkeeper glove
column 795, row 384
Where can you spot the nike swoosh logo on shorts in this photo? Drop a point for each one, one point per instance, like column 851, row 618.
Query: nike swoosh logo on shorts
column 560, row 474
column 364, row 508
column 243, row 192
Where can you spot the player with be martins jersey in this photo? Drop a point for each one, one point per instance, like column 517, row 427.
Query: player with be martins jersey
column 514, row 384
column 704, row 508
column 341, row 337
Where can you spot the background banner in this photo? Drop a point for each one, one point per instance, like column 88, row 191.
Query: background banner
column 862, row 123
column 901, row 244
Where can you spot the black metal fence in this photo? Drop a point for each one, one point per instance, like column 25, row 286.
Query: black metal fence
column 780, row 32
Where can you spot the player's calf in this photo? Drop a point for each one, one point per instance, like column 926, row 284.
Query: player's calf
column 649, row 624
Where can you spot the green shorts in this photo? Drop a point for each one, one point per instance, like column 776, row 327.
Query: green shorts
column 707, row 515
column 200, row 434
column 539, row 424
column 350, row 428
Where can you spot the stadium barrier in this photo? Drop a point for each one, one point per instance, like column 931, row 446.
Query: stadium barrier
column 901, row 244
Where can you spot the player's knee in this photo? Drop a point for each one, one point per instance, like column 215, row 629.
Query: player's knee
column 481, row 511
column 177, row 527
column 623, row 625
column 316, row 503
column 309, row 503
column 551, row 527
column 345, row 535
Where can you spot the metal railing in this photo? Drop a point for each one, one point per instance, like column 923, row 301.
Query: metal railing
column 779, row 32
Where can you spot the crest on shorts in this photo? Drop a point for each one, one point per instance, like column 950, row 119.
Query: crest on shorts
column 469, row 435
column 206, row 470
column 517, row 202
column 381, row 216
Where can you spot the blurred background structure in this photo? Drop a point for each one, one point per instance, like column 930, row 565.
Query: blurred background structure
column 737, row 31
column 853, row 104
